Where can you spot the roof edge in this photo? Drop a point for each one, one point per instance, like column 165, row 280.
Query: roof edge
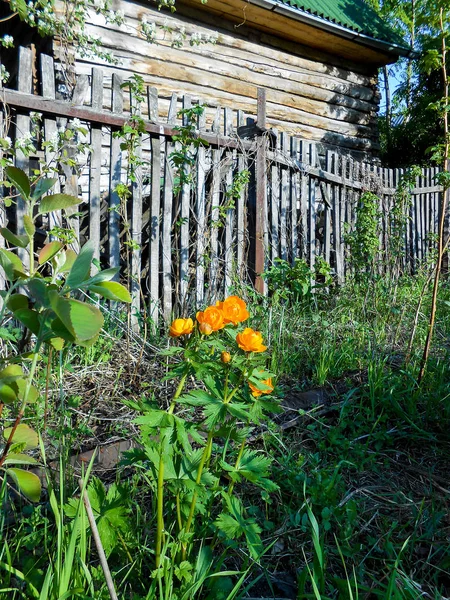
column 321, row 23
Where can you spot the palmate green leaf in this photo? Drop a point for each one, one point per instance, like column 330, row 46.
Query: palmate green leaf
column 255, row 468
column 81, row 267
column 110, row 511
column 49, row 251
column 198, row 398
column 214, row 413
column 155, row 418
column 57, row 202
column 111, row 290
column 21, row 241
column 18, row 177
column 28, row 483
column 23, row 435
column 239, row 411
column 235, row 524
column 82, row 320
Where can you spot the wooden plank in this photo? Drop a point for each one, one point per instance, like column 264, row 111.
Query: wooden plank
column 136, row 232
column 312, row 208
column 228, row 237
column 156, row 143
column 95, row 164
column 275, row 182
column 215, row 203
column 304, row 201
column 23, row 122
column 284, row 199
column 166, row 238
column 48, row 90
column 152, row 101
column 64, row 109
column 327, row 231
column 338, row 244
column 184, row 227
column 294, row 186
column 200, row 210
column 242, row 165
column 3, row 220
column 172, row 116
column 115, row 177
column 71, row 176
column 261, row 196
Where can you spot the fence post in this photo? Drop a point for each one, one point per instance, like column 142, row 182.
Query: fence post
column 261, row 191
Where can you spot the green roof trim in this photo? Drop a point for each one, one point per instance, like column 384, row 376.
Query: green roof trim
column 355, row 15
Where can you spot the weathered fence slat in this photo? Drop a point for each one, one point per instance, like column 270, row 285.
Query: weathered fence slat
column 95, row 164
column 23, row 122
column 184, row 219
column 201, row 214
column 115, row 177
column 155, row 210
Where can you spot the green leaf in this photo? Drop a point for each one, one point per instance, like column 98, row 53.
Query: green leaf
column 29, row 226
column 57, row 343
column 81, row 267
column 8, row 393
column 82, row 320
column 112, row 291
column 16, row 176
column 71, row 257
column 57, row 202
column 33, row 393
column 20, row 459
column 17, row 301
column 22, row 9
column 49, row 251
column 28, row 483
column 29, row 318
column 23, row 435
column 43, row 186
column 105, row 275
column 21, row 241
column 11, row 373
column 11, row 264
column 39, row 290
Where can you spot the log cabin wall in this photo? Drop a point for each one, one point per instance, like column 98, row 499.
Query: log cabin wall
column 310, row 93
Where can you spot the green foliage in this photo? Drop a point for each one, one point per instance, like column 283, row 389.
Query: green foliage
column 363, row 241
column 46, row 310
column 189, row 449
column 298, row 282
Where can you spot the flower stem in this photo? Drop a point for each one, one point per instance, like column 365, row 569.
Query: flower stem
column 206, row 453
column 160, row 484
column 236, row 466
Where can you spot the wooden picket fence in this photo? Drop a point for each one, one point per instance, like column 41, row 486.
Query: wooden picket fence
column 181, row 250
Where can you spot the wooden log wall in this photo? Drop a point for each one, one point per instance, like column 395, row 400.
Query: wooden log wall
column 179, row 250
column 310, row 94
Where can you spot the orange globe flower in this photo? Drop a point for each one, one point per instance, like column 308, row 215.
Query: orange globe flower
column 256, row 392
column 211, row 317
column 250, row 340
column 225, row 357
column 234, row 310
column 181, row 327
